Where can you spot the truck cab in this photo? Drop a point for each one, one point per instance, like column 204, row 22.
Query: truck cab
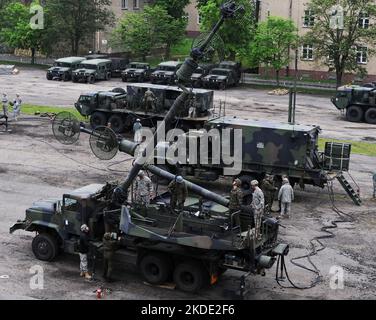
column 62, row 68
column 219, row 78
column 92, row 70
column 136, row 71
column 166, row 72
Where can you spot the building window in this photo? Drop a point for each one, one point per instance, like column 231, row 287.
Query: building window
column 308, row 19
column 307, row 52
column 364, row 21
column 124, row 4
column 361, row 55
column 136, row 4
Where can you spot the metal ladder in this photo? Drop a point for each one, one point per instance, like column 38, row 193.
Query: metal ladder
column 349, row 189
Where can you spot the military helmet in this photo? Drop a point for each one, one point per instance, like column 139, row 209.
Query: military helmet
column 84, row 228
column 141, row 173
column 254, row 183
column 238, row 182
column 179, row 179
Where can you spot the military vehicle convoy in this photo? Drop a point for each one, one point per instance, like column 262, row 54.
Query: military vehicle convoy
column 165, row 72
column 136, row 71
column 63, row 68
column 359, row 102
column 121, row 108
column 92, row 70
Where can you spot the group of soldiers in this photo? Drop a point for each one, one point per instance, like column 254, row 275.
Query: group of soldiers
column 5, row 103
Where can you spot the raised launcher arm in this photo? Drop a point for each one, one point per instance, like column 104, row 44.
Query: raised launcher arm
column 228, row 10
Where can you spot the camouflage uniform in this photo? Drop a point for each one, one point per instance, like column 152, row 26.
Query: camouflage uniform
column 258, row 204
column 236, row 201
column 109, row 248
column 286, row 196
column 179, row 192
column 374, row 184
column 149, row 99
column 268, row 188
column 143, row 190
column 4, row 114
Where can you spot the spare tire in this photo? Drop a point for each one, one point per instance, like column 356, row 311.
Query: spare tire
column 354, row 114
column 370, row 116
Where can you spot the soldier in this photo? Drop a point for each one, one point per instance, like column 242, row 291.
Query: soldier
column 17, row 107
column 109, row 248
column 83, row 249
column 258, row 204
column 137, row 127
column 149, row 100
column 236, row 199
column 4, row 114
column 374, row 185
column 179, row 193
column 286, row 196
column 143, row 189
column 268, row 188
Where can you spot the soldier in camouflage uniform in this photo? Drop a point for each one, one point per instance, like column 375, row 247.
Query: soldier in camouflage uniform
column 109, row 248
column 236, row 199
column 179, row 193
column 149, row 100
column 258, row 204
column 268, row 188
column 143, row 189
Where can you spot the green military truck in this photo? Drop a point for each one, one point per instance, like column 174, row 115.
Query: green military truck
column 63, row 68
column 166, row 73
column 219, row 78
column 92, row 70
column 122, row 108
column 202, row 71
column 136, row 71
column 236, row 67
column 359, row 102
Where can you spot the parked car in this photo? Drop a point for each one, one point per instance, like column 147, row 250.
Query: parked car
column 92, row 70
column 62, row 68
column 166, row 72
column 136, row 71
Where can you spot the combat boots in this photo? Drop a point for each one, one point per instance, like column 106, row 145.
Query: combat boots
column 88, row 276
column 82, row 274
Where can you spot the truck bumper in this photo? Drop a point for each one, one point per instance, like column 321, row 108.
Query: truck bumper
column 20, row 225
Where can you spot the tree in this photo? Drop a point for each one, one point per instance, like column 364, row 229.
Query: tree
column 270, row 46
column 16, row 30
column 78, row 20
column 338, row 48
column 154, row 27
column 174, row 21
column 235, row 33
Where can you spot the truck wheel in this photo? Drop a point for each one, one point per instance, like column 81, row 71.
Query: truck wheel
column 45, row 247
column 64, row 77
column 117, row 123
column 354, row 114
column 190, row 276
column 222, row 86
column 98, row 119
column 48, row 76
column 74, row 79
column 108, row 76
column 155, row 268
column 370, row 116
column 124, row 79
column 91, row 79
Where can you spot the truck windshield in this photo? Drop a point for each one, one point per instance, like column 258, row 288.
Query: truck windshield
column 62, row 64
column 218, row 72
column 85, row 99
column 137, row 66
column 88, row 66
column 166, row 68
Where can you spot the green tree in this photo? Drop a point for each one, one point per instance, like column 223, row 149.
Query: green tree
column 173, row 22
column 154, row 27
column 235, row 33
column 338, row 47
column 16, row 30
column 78, row 20
column 270, row 46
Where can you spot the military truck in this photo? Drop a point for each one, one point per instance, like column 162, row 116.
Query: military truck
column 136, row 71
column 122, row 108
column 201, row 72
column 118, row 66
column 92, row 70
column 62, row 68
column 235, row 66
column 166, row 72
column 271, row 148
column 219, row 78
column 359, row 102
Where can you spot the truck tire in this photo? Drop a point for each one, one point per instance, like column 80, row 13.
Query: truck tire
column 64, row 77
column 370, row 116
column 117, row 123
column 91, row 79
column 98, row 119
column 190, row 276
column 222, row 86
column 354, row 114
column 124, row 79
column 45, row 247
column 48, row 76
column 74, row 79
column 155, row 268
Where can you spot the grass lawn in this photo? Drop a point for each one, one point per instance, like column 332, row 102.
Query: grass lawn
column 32, row 109
column 357, row 147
